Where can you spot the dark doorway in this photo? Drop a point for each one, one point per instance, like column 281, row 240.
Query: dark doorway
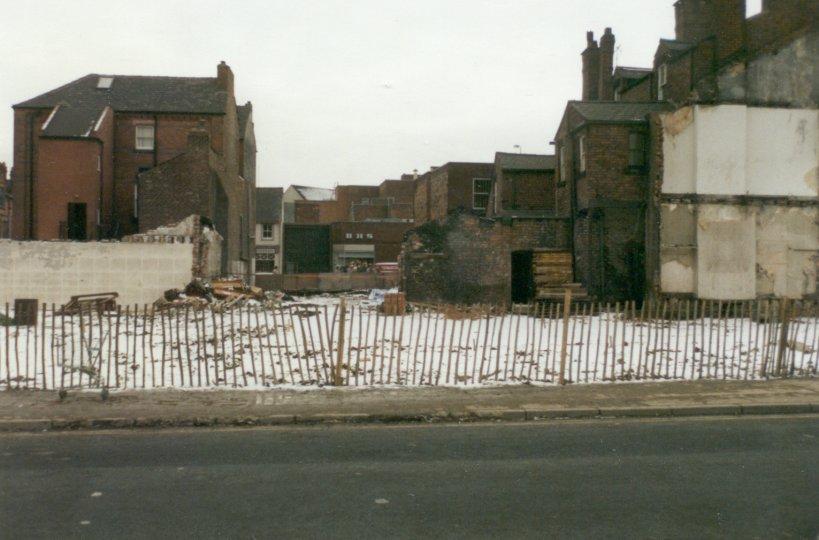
column 523, row 278
column 76, row 225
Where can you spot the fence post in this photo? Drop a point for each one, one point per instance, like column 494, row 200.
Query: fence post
column 784, row 317
column 567, row 303
column 338, row 379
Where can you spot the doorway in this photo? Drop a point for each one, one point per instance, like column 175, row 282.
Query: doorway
column 523, row 279
column 76, row 224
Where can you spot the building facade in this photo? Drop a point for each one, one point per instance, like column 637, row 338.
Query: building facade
column 268, row 260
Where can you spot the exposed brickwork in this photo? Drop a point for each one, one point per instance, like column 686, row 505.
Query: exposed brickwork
column 188, row 179
column 421, row 210
column 468, row 259
column 450, row 189
column 526, row 191
column 608, row 206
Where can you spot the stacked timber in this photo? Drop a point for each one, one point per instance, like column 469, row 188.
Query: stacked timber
column 553, row 274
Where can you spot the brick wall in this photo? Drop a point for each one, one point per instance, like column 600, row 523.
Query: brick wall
column 527, row 191
column 451, row 188
column 420, row 207
column 170, row 140
column 188, row 179
column 318, row 212
column 639, row 92
column 609, row 222
column 468, row 259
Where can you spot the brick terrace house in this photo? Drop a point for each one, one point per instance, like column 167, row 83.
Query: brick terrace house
column 5, row 202
column 110, row 155
column 733, row 211
column 697, row 176
column 268, row 261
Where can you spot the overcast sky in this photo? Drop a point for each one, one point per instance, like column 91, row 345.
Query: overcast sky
column 344, row 91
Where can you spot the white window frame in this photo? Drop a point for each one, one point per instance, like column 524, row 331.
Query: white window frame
column 348, row 236
column 662, row 81
column 369, row 236
column 267, row 228
column 564, row 164
column 476, row 193
column 581, row 153
column 142, row 141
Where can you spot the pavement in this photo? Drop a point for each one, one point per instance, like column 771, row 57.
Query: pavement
column 719, row 477
column 43, row 410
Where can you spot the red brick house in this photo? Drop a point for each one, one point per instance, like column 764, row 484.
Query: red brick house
column 107, row 155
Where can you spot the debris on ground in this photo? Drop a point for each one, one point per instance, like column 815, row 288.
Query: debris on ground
column 377, row 295
column 220, row 293
column 106, row 301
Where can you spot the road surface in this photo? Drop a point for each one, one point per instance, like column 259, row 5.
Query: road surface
column 692, row 478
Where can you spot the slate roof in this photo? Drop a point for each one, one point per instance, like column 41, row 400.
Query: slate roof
column 82, row 102
column 69, row 120
column 622, row 72
column 524, row 162
column 268, row 204
column 617, row 111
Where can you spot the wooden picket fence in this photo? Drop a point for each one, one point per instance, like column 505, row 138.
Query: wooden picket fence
column 307, row 344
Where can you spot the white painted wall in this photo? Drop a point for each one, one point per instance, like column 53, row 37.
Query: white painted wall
column 739, row 150
column 52, row 272
column 679, row 165
column 720, row 146
column 743, row 251
column 726, row 252
column 783, row 152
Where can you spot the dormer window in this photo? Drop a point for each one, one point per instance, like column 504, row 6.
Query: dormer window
column 105, row 82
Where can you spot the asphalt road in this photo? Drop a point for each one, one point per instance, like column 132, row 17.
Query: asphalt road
column 686, row 478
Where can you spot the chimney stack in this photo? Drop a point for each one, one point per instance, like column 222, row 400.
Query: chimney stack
column 729, row 18
column 591, row 69
column 224, row 77
column 606, row 81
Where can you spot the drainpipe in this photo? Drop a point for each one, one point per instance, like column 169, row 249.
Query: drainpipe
column 156, row 138
column 100, row 146
column 30, row 233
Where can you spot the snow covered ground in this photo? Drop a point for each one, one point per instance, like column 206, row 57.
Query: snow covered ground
column 298, row 345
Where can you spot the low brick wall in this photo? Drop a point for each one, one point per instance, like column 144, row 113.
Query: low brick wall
column 52, row 272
